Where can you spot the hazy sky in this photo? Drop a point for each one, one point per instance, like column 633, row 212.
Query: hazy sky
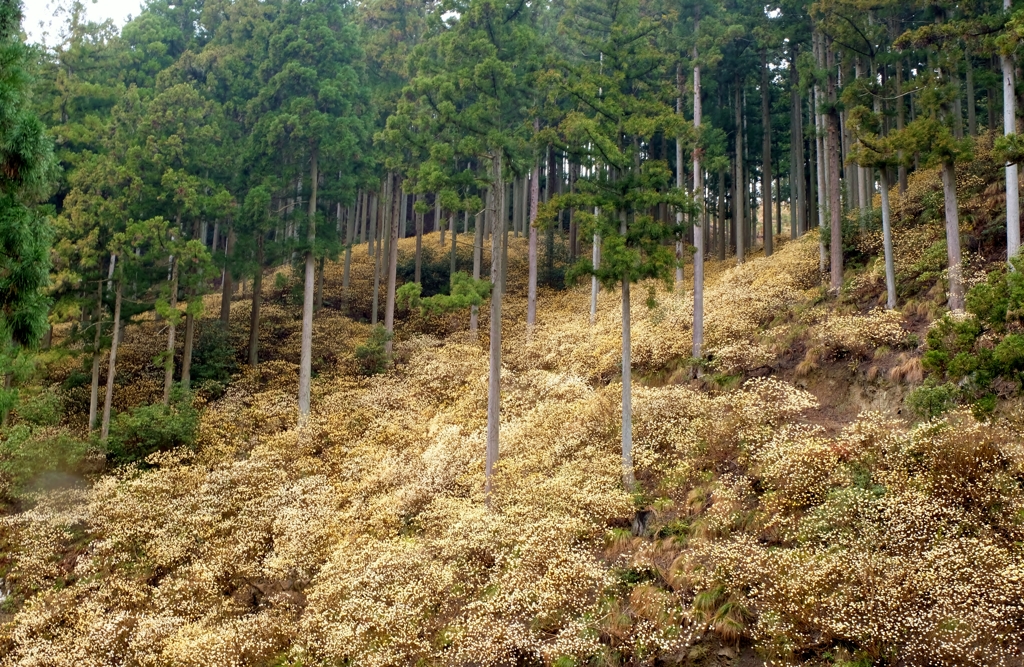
column 37, row 11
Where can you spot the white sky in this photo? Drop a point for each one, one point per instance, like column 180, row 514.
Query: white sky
column 42, row 11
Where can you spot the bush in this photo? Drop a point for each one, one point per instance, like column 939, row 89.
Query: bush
column 43, row 409
column 931, row 400
column 136, row 434
column 214, row 361
column 372, row 355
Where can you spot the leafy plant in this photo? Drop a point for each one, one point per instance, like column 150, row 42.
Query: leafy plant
column 136, row 434
column 372, row 355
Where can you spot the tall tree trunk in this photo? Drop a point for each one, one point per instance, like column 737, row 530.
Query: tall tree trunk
column 698, row 194
column 739, row 185
column 111, row 364
column 531, row 299
column 306, row 356
column 437, row 218
column 417, row 271
column 94, row 390
column 890, row 269
column 379, row 232
column 227, row 285
column 1012, row 184
column 257, row 301
column 766, row 156
column 478, row 250
column 833, row 149
column 822, row 173
column 389, row 307
column 494, row 374
column 350, row 233
column 628, row 480
column 956, row 286
column 680, row 88
column 190, row 338
column 371, row 234
column 453, row 260
column 574, row 241
column 595, row 259
column 171, row 331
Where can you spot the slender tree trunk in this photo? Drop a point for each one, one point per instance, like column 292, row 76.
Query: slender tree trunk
column 680, row 86
column 419, row 248
column 171, row 331
column 371, row 234
column 453, row 260
column 956, row 286
column 389, row 307
column 94, row 391
column 739, row 186
column 721, row 215
column 628, row 479
column 186, row 355
column 890, row 269
column 833, row 148
column 1012, row 184
column 819, row 153
column 595, row 286
column 111, row 364
column 766, row 156
column 531, row 302
column 494, row 375
column 437, row 218
column 257, row 301
column 227, row 285
column 377, row 240
column 698, row 193
column 478, row 244
column 350, row 231
column 306, row 356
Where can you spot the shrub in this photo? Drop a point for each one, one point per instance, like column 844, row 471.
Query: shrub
column 136, row 434
column 214, row 361
column 43, row 409
column 372, row 355
column 931, row 400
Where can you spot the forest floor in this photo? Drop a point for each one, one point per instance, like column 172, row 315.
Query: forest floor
column 790, row 511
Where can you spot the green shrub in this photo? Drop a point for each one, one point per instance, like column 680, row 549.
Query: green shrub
column 136, row 434
column 43, row 409
column 372, row 355
column 931, row 400
column 214, row 360
column 27, row 452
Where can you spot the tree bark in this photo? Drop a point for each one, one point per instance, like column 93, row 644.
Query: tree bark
column 453, row 260
column 956, row 286
column 819, row 155
column 1012, row 184
column 833, row 148
column 531, row 302
column 186, row 355
column 478, row 243
column 350, row 232
column 306, row 356
column 171, row 331
column 890, row 269
column 679, row 171
column 721, row 215
column 227, row 285
column 111, row 364
column 94, row 390
column 377, row 242
column 766, row 156
column 494, row 375
column 698, row 194
column 257, row 301
column 419, row 247
column 628, row 480
column 739, row 186
column 389, row 308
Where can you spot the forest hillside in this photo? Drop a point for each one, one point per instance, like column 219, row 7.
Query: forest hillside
column 803, row 499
